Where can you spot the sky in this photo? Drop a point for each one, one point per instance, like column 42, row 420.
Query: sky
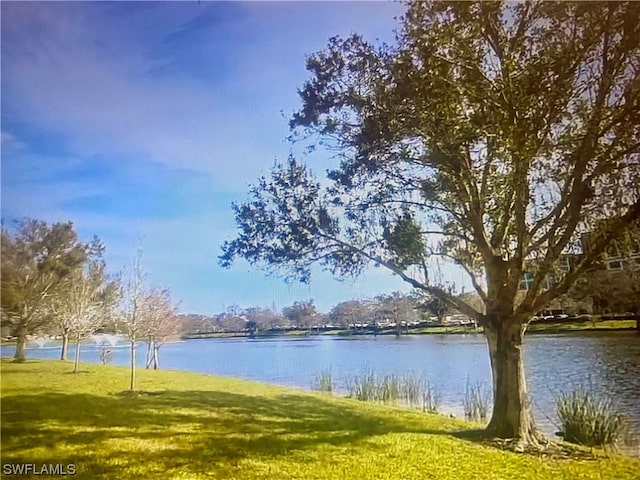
column 142, row 122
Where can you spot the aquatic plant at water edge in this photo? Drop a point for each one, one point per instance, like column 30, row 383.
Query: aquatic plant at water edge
column 431, row 398
column 323, row 382
column 363, row 388
column 590, row 418
column 475, row 402
column 407, row 390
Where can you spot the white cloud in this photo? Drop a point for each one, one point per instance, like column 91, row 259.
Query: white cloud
column 89, row 80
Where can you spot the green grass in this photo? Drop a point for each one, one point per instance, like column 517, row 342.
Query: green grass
column 580, row 326
column 193, row 426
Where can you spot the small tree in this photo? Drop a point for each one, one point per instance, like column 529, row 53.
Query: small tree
column 76, row 295
column 351, row 312
column 131, row 302
column 82, row 304
column 232, row 320
column 159, row 322
column 438, row 307
column 262, row 318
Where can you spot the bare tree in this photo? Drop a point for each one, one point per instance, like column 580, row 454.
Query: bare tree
column 396, row 307
column 131, row 301
column 159, row 322
column 82, row 304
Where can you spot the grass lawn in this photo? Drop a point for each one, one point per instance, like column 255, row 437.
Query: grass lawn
column 190, row 426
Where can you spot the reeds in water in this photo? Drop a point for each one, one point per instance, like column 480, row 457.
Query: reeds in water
column 431, row 399
column 323, row 382
column 475, row 403
column 400, row 389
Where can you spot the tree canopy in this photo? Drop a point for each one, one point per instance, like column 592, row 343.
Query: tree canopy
column 489, row 135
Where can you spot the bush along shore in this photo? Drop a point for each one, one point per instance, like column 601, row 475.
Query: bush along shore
column 186, row 425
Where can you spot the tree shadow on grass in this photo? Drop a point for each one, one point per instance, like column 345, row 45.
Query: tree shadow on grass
column 549, row 448
column 170, row 431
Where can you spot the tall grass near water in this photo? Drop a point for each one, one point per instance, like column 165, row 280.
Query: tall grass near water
column 476, row 403
column 323, row 382
column 589, row 418
column 407, row 390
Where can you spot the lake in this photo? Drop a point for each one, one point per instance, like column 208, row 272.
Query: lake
column 609, row 362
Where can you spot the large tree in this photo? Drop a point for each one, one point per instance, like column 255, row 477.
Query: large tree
column 301, row 314
column 351, row 312
column 490, row 135
column 36, row 259
column 397, row 307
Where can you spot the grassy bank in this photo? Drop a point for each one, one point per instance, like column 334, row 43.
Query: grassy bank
column 564, row 327
column 190, row 426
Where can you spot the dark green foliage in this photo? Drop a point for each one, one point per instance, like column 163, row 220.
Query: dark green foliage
column 300, row 314
column 405, row 241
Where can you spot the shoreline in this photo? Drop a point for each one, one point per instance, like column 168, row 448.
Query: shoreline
column 537, row 328
column 534, row 328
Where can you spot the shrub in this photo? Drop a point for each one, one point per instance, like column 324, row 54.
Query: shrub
column 590, row 419
column 388, row 389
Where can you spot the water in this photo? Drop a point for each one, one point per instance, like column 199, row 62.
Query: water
column 554, row 363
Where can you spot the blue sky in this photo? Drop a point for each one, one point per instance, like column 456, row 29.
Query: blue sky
column 141, row 123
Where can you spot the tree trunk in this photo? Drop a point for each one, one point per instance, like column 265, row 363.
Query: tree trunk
column 65, row 346
column 77, row 359
column 149, row 353
column 132, row 383
column 512, row 417
column 156, row 364
column 21, row 345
